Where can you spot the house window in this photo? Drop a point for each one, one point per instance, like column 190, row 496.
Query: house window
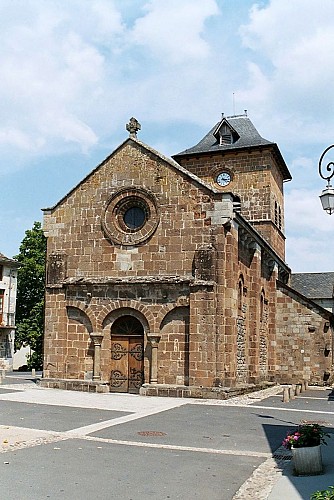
column 2, row 295
column 1, row 272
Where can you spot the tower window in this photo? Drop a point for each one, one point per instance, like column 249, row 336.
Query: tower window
column 278, row 215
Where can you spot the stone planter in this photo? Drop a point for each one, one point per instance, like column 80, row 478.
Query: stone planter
column 307, row 461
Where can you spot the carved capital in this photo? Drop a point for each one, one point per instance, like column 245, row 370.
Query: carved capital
column 154, row 340
column 96, row 338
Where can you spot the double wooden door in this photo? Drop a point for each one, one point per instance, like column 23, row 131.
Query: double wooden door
column 127, row 356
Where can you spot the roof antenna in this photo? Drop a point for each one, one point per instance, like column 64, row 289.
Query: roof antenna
column 233, row 104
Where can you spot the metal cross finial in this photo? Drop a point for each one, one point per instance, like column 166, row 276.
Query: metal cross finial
column 133, row 126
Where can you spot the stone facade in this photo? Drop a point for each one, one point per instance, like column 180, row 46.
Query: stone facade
column 8, row 288
column 304, row 337
column 166, row 276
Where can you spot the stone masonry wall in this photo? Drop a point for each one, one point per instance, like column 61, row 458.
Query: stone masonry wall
column 74, row 226
column 303, row 335
column 173, row 353
column 258, row 183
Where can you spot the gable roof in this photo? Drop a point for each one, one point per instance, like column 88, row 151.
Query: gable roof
column 314, row 285
column 176, row 166
column 246, row 136
column 7, row 261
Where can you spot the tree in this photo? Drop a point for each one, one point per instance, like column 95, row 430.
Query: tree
column 30, row 294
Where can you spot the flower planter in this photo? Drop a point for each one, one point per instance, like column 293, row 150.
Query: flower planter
column 307, row 461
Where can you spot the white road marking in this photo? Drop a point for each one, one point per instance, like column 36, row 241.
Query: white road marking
column 244, row 453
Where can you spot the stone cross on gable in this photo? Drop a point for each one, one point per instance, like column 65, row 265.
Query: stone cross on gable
column 133, row 126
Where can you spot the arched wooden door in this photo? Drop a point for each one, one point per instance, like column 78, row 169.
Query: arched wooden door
column 127, row 355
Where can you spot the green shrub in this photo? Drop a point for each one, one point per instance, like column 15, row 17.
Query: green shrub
column 324, row 494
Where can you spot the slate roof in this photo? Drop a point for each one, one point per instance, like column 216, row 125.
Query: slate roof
column 248, row 137
column 314, row 285
column 9, row 262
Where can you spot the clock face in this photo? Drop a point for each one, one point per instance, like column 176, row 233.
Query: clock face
column 223, row 178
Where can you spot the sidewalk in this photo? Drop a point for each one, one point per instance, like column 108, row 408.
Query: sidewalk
column 186, row 429
column 294, row 487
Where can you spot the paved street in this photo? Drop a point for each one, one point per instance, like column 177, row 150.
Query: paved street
column 71, row 445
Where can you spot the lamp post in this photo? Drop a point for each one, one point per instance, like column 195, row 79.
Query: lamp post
column 327, row 195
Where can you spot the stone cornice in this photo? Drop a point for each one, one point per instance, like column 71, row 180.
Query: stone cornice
column 110, row 280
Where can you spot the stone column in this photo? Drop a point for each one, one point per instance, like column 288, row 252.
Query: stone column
column 97, row 340
column 154, row 341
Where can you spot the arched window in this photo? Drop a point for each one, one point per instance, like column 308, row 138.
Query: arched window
column 261, row 306
column 240, row 293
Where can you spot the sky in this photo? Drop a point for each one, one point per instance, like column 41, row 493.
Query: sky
column 73, row 72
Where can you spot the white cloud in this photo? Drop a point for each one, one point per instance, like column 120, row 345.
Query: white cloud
column 292, row 49
column 173, row 30
column 18, row 139
column 71, row 71
column 52, row 73
column 309, row 254
column 305, row 211
column 309, row 230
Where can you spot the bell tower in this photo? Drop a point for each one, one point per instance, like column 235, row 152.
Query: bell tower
column 233, row 157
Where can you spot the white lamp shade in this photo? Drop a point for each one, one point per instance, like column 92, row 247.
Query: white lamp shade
column 327, row 199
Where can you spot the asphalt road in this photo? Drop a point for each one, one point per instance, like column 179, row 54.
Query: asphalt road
column 68, row 445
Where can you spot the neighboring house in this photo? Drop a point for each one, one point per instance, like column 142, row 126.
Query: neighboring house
column 168, row 276
column 318, row 287
column 8, row 287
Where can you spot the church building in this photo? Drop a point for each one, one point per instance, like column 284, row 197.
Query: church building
column 167, row 276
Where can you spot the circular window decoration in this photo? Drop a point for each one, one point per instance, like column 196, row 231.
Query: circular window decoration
column 130, row 216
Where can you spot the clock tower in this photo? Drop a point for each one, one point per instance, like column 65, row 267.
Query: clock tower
column 233, row 157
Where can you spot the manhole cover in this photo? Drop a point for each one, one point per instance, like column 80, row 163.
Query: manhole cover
column 152, row 433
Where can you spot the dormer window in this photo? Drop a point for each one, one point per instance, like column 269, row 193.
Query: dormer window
column 225, row 134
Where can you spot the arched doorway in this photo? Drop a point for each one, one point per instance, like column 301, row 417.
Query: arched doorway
column 127, row 355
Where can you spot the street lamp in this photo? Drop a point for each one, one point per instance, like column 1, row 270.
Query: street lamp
column 327, row 196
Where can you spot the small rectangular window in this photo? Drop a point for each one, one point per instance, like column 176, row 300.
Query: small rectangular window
column 2, row 295
column 1, row 272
